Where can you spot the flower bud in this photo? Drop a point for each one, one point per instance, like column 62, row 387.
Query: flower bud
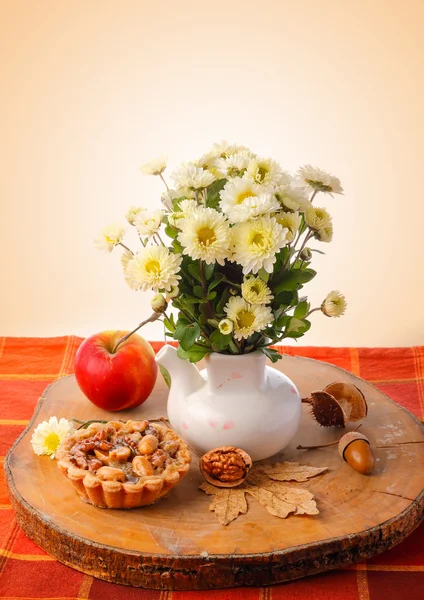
column 173, row 293
column 158, row 303
column 226, row 326
column 334, row 305
column 306, row 254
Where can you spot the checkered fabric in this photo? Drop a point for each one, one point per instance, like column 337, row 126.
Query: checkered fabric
column 28, row 365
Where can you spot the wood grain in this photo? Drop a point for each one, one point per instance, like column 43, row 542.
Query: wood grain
column 178, row 543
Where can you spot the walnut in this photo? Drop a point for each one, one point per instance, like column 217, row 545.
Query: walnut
column 226, row 466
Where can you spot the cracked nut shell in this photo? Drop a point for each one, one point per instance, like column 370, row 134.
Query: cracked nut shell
column 226, row 466
column 338, row 404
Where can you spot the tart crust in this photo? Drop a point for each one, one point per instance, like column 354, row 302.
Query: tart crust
column 133, row 491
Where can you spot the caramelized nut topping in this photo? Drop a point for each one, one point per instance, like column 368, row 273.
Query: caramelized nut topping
column 148, row 444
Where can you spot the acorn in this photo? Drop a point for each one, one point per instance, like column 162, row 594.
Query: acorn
column 337, row 404
column 355, row 449
column 226, row 466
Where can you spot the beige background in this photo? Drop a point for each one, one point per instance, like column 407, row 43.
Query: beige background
column 92, row 89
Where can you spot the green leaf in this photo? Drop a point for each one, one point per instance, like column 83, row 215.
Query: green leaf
column 208, row 270
column 284, row 298
column 189, row 336
column 211, row 296
column 301, row 310
column 264, row 275
column 199, row 291
column 213, row 199
column 223, row 301
column 296, row 328
column 220, row 340
column 165, row 374
column 180, row 327
column 169, row 323
column 272, row 354
column 293, row 279
column 170, row 231
column 213, row 322
column 194, row 270
column 216, row 281
column 195, row 353
column 306, row 275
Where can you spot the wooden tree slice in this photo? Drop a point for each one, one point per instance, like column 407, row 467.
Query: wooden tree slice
column 178, row 543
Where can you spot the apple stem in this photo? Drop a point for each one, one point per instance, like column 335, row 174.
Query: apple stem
column 153, row 317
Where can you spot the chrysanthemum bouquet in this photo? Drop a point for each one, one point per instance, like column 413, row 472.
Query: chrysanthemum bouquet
column 236, row 253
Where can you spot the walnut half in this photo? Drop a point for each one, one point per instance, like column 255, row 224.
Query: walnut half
column 227, row 466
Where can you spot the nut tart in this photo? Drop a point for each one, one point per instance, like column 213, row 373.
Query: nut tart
column 123, row 465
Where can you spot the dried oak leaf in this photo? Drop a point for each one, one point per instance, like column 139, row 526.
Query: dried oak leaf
column 287, row 471
column 228, row 503
column 264, row 485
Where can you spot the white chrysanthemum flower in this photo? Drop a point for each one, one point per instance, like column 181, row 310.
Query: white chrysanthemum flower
column 175, row 218
column 325, row 234
column 148, row 222
column 291, row 220
column 334, row 304
column 242, row 199
column 153, row 268
column 110, row 236
column 205, row 235
column 48, row 435
column 132, row 213
column 233, row 166
column 190, row 177
column 320, row 180
column 155, row 167
column 264, row 171
column 285, row 178
column 292, row 198
column 247, row 318
column 126, row 256
column 224, row 149
column 226, row 326
column 255, row 243
column 255, row 290
column 317, row 218
column 187, row 207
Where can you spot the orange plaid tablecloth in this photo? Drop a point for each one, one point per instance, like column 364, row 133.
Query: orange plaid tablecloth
column 28, row 365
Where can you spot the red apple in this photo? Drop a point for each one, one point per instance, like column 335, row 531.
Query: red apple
column 115, row 380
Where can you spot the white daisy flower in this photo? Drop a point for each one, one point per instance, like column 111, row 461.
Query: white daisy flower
column 48, row 435
column 317, row 218
column 264, row 171
column 205, row 235
column 292, row 198
column 325, row 234
column 153, row 268
column 255, row 243
column 110, row 236
column 226, row 326
column 155, row 167
column 255, row 290
column 148, row 222
column 247, row 318
column 190, row 177
column 168, row 196
column 291, row 220
column 233, row 166
column 187, row 207
column 175, row 219
column 319, row 180
column 334, row 304
column 132, row 213
column 242, row 199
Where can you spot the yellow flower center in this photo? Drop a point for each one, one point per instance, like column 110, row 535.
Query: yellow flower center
column 51, row 442
column 258, row 239
column 152, row 266
column 242, row 197
column 245, row 319
column 206, row 236
column 255, row 289
column 109, row 240
column 262, row 171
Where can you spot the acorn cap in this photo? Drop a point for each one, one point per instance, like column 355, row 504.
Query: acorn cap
column 350, row 398
column 348, row 438
column 327, row 410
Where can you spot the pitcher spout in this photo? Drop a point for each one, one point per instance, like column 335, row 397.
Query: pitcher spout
column 184, row 375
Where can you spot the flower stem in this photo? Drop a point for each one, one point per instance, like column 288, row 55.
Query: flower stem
column 313, row 195
column 163, row 179
column 312, row 311
column 126, row 247
column 153, row 317
column 205, row 289
column 324, row 445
